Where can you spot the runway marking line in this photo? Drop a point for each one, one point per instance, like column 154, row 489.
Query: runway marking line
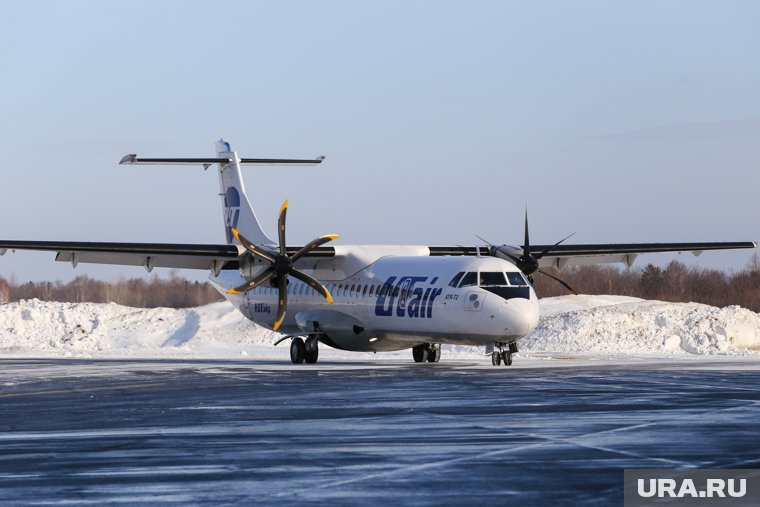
column 93, row 389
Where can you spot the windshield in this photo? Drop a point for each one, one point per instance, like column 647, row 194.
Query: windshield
column 469, row 279
column 490, row 278
column 516, row 279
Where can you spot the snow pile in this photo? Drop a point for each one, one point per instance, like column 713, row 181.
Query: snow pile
column 610, row 325
column 90, row 329
column 642, row 327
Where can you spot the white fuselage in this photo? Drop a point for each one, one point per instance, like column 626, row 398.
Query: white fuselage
column 399, row 301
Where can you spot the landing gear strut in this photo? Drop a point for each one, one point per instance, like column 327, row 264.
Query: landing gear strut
column 427, row 352
column 502, row 355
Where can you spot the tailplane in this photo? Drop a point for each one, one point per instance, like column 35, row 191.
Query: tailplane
column 238, row 213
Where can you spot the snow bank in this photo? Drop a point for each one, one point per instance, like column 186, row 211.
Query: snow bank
column 575, row 324
column 610, row 325
column 111, row 330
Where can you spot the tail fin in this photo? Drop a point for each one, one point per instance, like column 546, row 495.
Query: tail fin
column 238, row 212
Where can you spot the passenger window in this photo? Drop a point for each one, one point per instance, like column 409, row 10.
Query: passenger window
column 364, row 292
column 455, row 281
column 352, row 290
column 469, row 279
column 491, row 278
column 371, row 290
column 516, row 279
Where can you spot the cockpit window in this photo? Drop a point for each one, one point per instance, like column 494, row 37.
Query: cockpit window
column 455, row 281
column 516, row 279
column 490, row 278
column 469, row 279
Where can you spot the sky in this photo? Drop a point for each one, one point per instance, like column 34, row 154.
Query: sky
column 621, row 121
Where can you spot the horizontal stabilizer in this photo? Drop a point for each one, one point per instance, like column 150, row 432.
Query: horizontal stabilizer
column 133, row 159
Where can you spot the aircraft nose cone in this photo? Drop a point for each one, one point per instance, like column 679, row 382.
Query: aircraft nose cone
column 519, row 316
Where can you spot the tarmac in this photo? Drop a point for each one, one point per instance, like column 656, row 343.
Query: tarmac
column 205, row 432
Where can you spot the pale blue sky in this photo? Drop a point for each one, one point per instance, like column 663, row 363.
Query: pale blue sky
column 635, row 121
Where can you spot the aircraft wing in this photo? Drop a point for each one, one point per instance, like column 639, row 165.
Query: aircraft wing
column 218, row 257
column 574, row 255
column 149, row 255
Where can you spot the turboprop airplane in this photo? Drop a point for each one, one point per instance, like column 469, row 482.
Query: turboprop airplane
column 361, row 297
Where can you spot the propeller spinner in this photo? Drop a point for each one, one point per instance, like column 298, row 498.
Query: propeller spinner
column 282, row 266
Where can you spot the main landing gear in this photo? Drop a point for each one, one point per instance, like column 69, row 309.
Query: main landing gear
column 427, row 352
column 503, row 356
column 304, row 351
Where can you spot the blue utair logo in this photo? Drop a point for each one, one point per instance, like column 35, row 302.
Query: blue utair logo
column 401, row 298
column 262, row 308
column 231, row 211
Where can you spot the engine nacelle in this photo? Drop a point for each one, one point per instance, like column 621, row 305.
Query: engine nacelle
column 251, row 266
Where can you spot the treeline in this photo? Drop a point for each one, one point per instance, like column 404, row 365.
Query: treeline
column 676, row 282
column 173, row 292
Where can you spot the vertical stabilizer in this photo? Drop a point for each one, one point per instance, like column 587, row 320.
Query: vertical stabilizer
column 238, row 212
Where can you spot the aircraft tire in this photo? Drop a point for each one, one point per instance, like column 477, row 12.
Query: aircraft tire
column 496, row 358
column 297, row 350
column 420, row 353
column 507, row 358
column 434, row 353
column 311, row 357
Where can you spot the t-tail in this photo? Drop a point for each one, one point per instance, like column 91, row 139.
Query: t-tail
column 237, row 209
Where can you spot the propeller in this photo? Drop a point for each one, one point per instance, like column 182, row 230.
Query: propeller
column 527, row 262
column 282, row 266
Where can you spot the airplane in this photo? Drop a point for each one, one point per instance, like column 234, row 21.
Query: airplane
column 361, row 297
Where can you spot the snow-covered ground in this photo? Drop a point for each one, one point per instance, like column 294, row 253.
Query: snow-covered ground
column 570, row 325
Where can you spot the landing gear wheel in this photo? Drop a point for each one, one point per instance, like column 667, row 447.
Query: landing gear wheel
column 312, row 349
column 434, row 353
column 297, row 351
column 506, row 356
column 495, row 358
column 311, row 357
column 420, row 353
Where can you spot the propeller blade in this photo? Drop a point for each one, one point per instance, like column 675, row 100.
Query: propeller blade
column 281, row 227
column 311, row 245
column 526, row 244
column 313, row 283
column 282, row 300
column 254, row 249
column 254, row 282
column 555, row 245
column 564, row 284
